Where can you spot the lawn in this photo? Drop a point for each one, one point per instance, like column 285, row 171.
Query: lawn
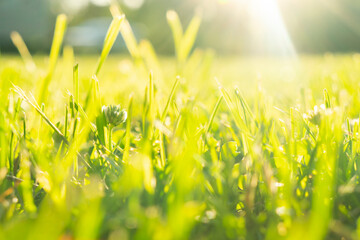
column 195, row 146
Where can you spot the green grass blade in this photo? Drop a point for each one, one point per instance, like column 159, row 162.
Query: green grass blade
column 110, row 38
column 59, row 33
column 189, row 38
column 244, row 104
column 237, row 118
column 77, row 118
column 327, row 99
column 151, row 91
column 127, row 33
column 76, row 86
column 23, row 50
column 212, row 116
column 128, row 131
column 66, row 127
column 325, row 179
column 176, row 28
column 170, row 98
column 162, row 150
column 34, row 104
column 87, row 118
column 26, row 185
column 96, row 94
column 150, row 107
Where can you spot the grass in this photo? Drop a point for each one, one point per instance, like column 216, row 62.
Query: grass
column 158, row 148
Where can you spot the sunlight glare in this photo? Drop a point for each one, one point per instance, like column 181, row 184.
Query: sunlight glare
column 268, row 27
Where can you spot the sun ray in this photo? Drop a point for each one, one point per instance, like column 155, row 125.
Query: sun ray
column 269, row 28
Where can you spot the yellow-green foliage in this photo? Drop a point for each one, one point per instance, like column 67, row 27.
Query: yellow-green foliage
column 225, row 148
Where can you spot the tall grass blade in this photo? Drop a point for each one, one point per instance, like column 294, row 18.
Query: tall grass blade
column 110, row 38
column 60, row 27
column 77, row 118
column 189, row 37
column 126, row 33
column 23, row 50
column 177, row 30
column 35, row 105
column 109, row 41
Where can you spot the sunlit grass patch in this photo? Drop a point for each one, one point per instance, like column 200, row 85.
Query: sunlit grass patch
column 189, row 147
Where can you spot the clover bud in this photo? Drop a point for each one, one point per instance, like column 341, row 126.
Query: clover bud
column 114, row 115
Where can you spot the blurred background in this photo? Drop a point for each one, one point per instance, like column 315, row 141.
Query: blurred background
column 248, row 27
